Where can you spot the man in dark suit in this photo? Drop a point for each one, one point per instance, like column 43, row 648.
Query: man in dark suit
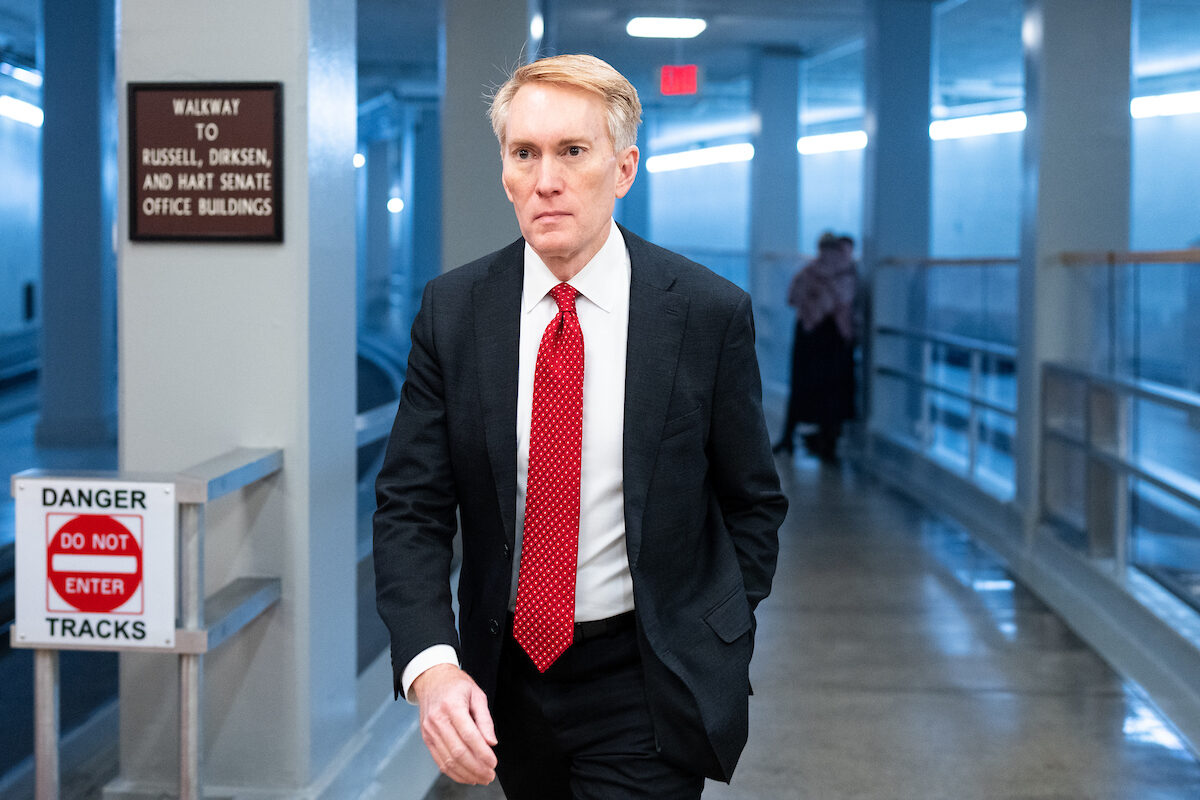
column 639, row 464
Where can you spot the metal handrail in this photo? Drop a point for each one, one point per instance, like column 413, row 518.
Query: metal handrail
column 977, row 350
column 1175, row 397
column 948, row 391
column 1167, row 480
column 1108, row 258
column 951, row 340
column 1106, row 447
column 981, row 261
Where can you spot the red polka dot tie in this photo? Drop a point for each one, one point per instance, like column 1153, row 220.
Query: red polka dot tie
column 545, row 612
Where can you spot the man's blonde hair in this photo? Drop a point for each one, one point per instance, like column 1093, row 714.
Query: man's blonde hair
column 588, row 73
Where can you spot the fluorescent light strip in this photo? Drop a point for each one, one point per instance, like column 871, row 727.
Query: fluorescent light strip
column 983, row 125
column 832, row 142
column 1162, row 105
column 703, row 157
column 665, row 27
column 21, row 111
column 29, row 76
column 1165, row 105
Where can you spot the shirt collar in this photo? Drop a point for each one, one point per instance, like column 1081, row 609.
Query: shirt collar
column 599, row 281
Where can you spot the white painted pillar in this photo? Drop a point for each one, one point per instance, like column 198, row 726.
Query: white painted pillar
column 897, row 162
column 1076, row 196
column 252, row 344
column 378, row 241
column 427, row 202
column 775, row 209
column 484, row 41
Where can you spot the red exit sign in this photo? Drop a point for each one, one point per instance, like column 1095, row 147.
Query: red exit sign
column 678, row 79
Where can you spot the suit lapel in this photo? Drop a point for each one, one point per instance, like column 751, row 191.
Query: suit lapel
column 496, row 303
column 657, row 318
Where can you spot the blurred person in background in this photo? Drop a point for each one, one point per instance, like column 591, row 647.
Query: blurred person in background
column 823, row 292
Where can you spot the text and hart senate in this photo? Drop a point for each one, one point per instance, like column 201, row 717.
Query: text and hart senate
column 193, row 158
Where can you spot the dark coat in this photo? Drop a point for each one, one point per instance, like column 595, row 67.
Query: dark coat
column 702, row 497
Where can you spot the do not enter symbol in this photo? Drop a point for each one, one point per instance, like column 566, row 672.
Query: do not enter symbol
column 94, row 563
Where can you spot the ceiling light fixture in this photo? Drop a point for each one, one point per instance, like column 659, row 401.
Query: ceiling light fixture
column 1165, row 105
column 21, row 111
column 983, row 125
column 702, row 157
column 832, row 142
column 665, row 27
column 29, row 76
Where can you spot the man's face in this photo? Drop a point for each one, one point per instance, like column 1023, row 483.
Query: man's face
column 561, row 173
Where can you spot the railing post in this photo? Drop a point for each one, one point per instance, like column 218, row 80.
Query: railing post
column 1107, row 488
column 1122, row 524
column 973, row 425
column 45, row 694
column 191, row 617
column 926, row 396
column 1045, row 408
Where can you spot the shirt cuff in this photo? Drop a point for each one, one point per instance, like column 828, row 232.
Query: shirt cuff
column 429, row 657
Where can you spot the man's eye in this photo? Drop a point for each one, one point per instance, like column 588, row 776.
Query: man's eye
column 574, row 150
column 523, row 154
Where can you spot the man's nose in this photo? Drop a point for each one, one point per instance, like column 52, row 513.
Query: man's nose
column 549, row 177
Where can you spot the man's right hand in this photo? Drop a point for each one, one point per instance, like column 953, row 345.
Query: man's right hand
column 456, row 724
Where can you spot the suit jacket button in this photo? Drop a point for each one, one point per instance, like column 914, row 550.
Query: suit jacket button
column 494, row 626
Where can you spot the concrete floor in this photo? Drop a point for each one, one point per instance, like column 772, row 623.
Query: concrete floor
column 898, row 661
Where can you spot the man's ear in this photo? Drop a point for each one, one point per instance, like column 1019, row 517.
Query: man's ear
column 627, row 166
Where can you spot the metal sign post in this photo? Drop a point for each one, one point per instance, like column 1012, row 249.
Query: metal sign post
column 96, row 564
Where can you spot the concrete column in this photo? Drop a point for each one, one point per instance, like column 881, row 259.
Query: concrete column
column 79, row 152
column 427, row 201
column 484, row 41
column 775, row 209
column 377, row 241
column 252, row 344
column 896, row 165
column 1076, row 196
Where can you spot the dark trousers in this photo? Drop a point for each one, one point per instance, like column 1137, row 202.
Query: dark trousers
column 581, row 730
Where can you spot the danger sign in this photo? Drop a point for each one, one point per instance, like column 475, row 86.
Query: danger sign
column 95, row 563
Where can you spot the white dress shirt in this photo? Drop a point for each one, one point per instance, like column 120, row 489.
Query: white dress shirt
column 603, row 584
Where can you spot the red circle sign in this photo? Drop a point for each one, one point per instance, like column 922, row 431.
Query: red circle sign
column 94, row 563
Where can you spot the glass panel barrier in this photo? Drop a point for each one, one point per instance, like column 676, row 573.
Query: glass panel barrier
column 1129, row 488
column 1166, row 439
column 1166, row 540
column 994, row 464
column 1063, row 488
column 948, row 333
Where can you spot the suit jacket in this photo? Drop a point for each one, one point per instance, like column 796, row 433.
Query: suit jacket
column 702, row 497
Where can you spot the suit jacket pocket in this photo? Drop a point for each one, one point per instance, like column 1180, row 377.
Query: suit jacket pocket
column 681, row 423
column 730, row 619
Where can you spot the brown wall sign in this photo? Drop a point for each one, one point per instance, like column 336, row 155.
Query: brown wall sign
column 206, row 161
